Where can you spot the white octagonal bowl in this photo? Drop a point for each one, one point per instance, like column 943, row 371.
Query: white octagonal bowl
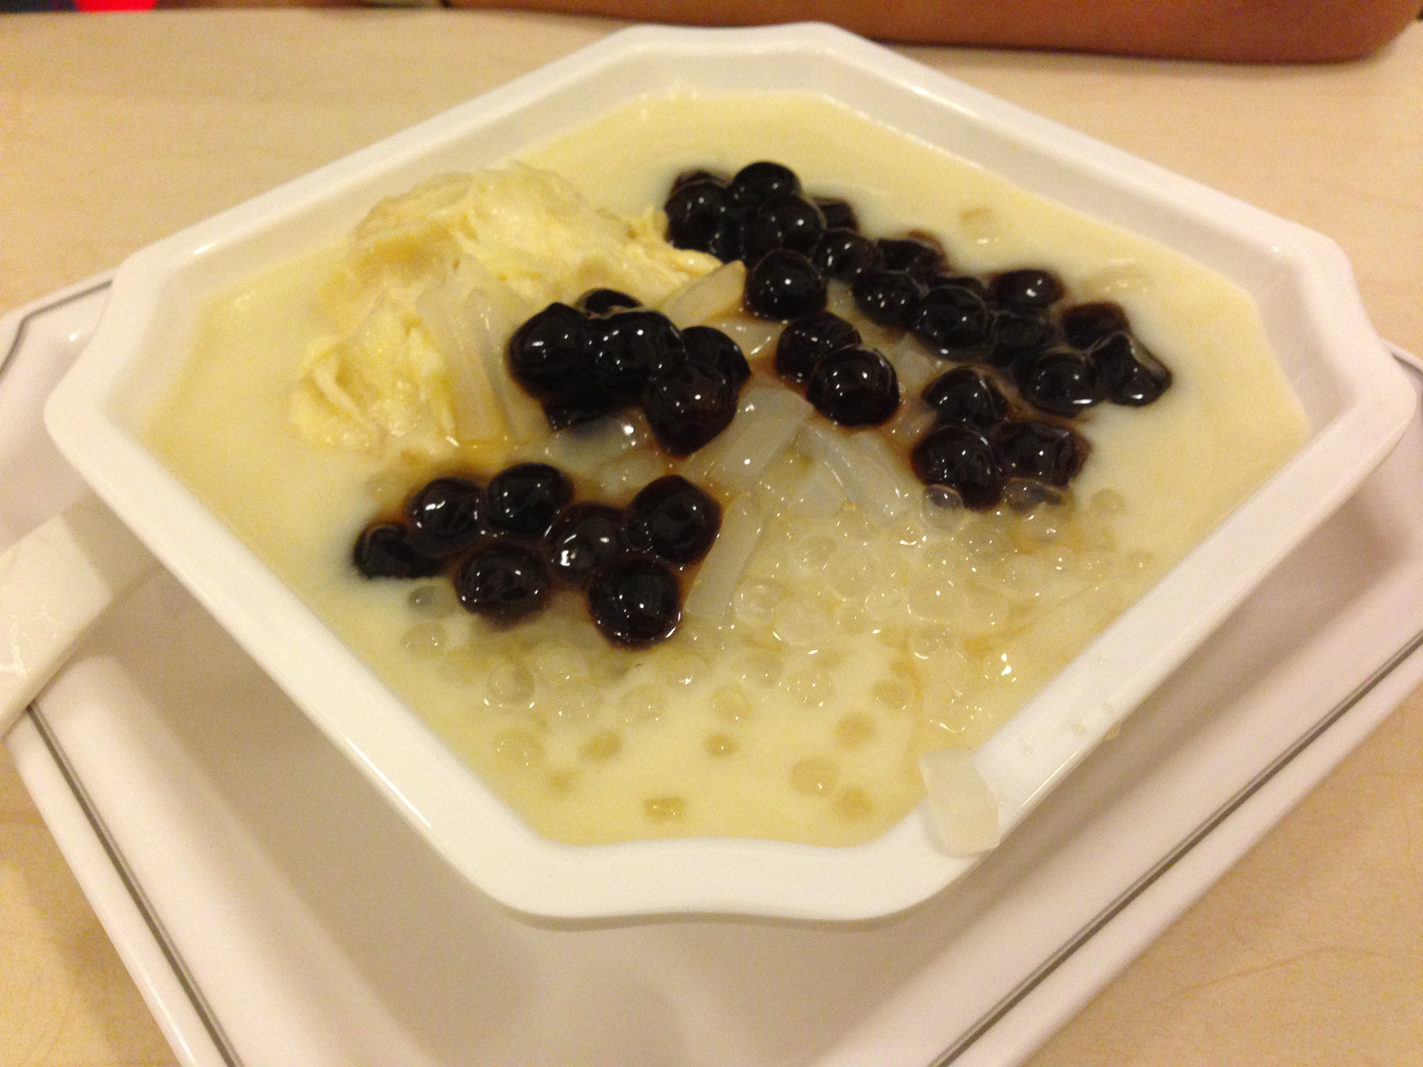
column 1356, row 400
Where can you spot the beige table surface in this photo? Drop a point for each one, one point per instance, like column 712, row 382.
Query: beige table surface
column 117, row 129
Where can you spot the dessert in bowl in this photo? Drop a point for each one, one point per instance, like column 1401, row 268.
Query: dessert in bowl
column 241, row 408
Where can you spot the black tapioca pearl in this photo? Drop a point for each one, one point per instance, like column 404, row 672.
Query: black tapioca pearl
column 688, row 406
column 846, row 254
column 726, row 241
column 1083, row 325
column 1017, row 332
column 443, row 516
column 503, row 581
column 783, row 221
column 784, row 285
column 919, row 255
column 697, row 214
column 967, row 397
column 713, row 348
column 635, row 601
column 1128, row 372
column 963, row 460
column 585, row 537
column 1060, row 381
column 839, row 214
column 758, row 182
column 573, row 411
column 1042, row 451
column 674, row 520
column 888, row 297
column 633, row 347
column 385, row 550
column 525, row 499
column 854, row 386
column 807, row 340
column 1027, row 288
column 957, row 281
column 548, row 354
column 953, row 322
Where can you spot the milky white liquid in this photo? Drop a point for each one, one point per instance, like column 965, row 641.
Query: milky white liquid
column 850, row 645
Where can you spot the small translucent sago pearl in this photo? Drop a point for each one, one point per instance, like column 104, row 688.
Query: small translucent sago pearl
column 665, row 809
column 642, row 703
column 511, row 683
column 603, row 745
column 425, row 638
column 731, row 703
column 814, row 776
column 720, row 745
column 434, row 601
column 519, row 747
column 853, row 804
column 854, row 730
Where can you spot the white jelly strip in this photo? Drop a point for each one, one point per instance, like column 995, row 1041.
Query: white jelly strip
column 962, row 807
column 721, row 571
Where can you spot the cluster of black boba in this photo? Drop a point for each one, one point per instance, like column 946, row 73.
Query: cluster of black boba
column 609, row 352
column 508, row 544
column 1023, row 364
column 1010, row 334
column 977, row 444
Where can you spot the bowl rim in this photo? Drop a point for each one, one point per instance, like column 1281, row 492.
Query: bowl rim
column 437, row 793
